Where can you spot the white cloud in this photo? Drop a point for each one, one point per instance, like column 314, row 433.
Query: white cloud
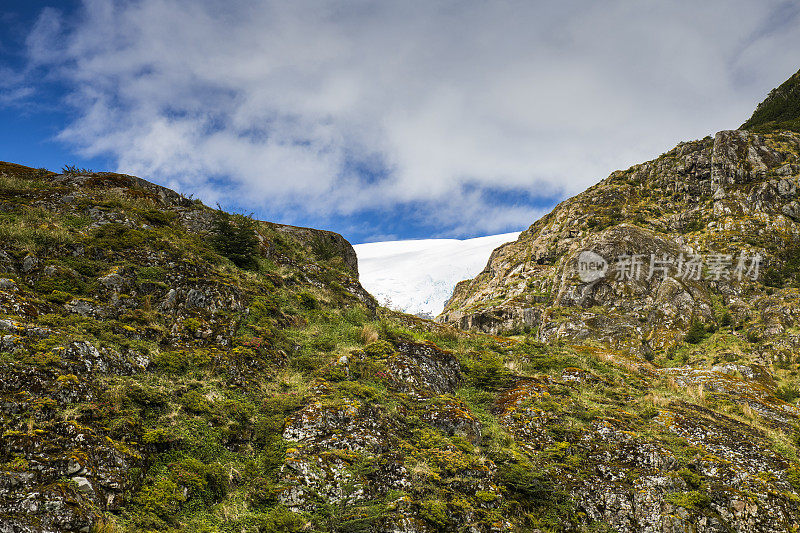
column 279, row 98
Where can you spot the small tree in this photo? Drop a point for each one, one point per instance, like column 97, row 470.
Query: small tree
column 696, row 333
column 234, row 236
column 725, row 319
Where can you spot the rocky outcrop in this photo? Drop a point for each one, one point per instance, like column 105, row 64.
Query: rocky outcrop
column 325, row 243
column 350, row 451
column 726, row 199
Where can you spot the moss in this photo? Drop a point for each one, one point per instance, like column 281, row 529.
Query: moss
column 435, row 512
column 196, row 402
column 152, row 273
column 793, row 476
column 379, row 349
column 118, row 237
column 181, row 361
column 689, row 500
column 157, row 505
column 161, row 435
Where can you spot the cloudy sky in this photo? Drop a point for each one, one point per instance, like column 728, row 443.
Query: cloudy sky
column 381, row 119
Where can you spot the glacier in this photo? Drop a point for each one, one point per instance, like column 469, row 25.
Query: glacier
column 418, row 276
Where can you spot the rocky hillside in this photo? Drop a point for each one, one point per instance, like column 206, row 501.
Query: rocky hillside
column 709, row 232
column 165, row 366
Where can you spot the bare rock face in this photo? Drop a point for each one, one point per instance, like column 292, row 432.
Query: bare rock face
column 423, row 370
column 726, row 199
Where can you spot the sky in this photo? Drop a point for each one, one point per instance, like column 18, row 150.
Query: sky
column 381, row 120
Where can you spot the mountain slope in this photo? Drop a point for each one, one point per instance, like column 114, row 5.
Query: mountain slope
column 780, row 111
column 168, row 367
column 418, row 276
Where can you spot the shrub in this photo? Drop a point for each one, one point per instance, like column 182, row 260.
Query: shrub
column 62, row 282
column 694, row 225
column 161, row 435
column 488, row 372
column 74, row 170
column 204, row 481
column 692, row 479
column 354, row 316
column 153, row 273
column 325, row 247
column 394, row 333
column 784, row 271
column 773, row 277
column 84, row 265
column 180, row 361
column 753, row 336
column 159, row 502
column 788, row 393
column 195, row 401
column 696, row 333
column 308, row 301
column 526, row 480
column 281, row 520
column 234, row 236
column 323, row 344
column 59, row 297
column 368, row 334
column 725, row 319
column 157, row 217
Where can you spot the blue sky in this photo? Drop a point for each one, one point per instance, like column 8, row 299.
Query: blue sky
column 29, row 125
column 381, row 120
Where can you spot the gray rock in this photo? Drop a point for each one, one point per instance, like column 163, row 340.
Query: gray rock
column 113, row 281
column 7, row 324
column 29, row 263
column 792, row 210
column 81, row 307
column 84, row 485
column 73, row 467
column 171, row 300
column 7, row 262
column 196, row 299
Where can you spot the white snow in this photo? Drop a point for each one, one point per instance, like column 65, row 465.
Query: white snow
column 419, row 276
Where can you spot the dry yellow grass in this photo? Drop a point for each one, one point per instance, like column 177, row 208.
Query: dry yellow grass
column 369, row 334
